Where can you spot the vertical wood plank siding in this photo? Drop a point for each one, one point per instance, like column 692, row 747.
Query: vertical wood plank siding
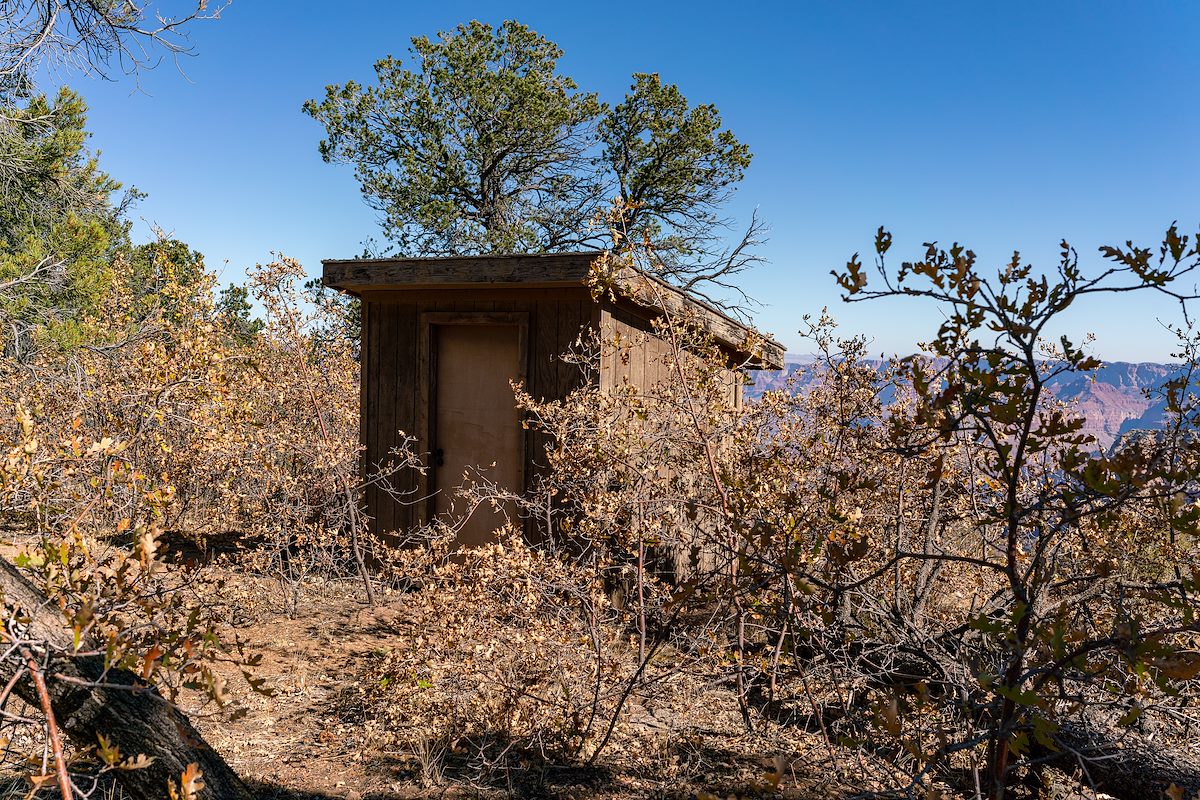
column 645, row 361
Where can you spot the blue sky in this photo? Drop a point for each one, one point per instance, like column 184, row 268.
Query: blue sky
column 1002, row 126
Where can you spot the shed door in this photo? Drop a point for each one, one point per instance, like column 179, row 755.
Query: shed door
column 476, row 424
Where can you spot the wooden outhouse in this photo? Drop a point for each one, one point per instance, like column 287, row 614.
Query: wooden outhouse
column 443, row 337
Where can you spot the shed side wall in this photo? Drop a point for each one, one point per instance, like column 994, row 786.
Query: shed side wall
column 644, row 362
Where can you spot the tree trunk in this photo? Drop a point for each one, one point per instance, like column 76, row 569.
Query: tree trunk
column 130, row 713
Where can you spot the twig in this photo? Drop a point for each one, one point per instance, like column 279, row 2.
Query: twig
column 60, row 764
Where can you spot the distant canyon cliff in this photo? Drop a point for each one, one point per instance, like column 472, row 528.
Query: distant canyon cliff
column 1113, row 400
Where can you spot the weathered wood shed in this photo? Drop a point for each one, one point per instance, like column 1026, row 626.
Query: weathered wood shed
column 442, row 338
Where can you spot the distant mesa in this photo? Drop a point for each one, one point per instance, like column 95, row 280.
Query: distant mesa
column 1115, row 400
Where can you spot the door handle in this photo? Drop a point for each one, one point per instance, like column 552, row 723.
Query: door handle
column 439, row 457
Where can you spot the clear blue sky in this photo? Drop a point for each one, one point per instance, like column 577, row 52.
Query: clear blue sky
column 999, row 125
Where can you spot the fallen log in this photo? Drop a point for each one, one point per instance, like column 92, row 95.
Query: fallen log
column 1108, row 758
column 88, row 702
column 1124, row 764
column 1121, row 762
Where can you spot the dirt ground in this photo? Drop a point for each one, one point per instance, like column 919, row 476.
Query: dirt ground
column 309, row 739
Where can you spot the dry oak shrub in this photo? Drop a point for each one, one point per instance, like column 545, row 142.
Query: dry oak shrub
column 174, row 429
column 922, row 561
column 253, row 433
column 502, row 658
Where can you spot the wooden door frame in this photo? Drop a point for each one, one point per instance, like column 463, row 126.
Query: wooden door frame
column 427, row 395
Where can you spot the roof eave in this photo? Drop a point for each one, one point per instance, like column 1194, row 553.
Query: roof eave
column 356, row 276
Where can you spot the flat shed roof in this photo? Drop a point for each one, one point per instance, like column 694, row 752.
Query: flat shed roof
column 546, row 271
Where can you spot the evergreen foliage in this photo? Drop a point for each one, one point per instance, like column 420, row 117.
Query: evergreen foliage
column 484, row 146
